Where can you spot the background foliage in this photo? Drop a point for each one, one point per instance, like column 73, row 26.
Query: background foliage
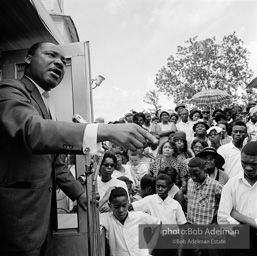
column 206, row 64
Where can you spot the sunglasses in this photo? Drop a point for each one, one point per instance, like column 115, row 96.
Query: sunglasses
column 206, row 112
column 108, row 165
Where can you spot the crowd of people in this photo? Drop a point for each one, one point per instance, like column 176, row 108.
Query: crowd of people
column 203, row 172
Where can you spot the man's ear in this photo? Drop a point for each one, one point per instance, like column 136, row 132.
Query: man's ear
column 27, row 59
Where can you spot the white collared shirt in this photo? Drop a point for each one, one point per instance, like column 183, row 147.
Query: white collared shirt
column 169, row 211
column 90, row 144
column 124, row 239
column 187, row 128
column 237, row 194
column 113, row 182
column 232, row 157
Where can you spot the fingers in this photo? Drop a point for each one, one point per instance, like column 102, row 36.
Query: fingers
column 147, row 135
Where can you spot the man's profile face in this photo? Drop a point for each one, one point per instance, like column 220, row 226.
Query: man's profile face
column 46, row 66
column 249, row 164
column 119, row 207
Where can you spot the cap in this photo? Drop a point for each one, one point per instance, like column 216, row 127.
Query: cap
column 216, row 128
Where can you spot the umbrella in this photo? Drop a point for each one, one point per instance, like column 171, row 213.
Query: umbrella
column 210, row 97
column 252, row 84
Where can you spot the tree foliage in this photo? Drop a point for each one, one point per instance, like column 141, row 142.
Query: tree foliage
column 152, row 98
column 206, row 64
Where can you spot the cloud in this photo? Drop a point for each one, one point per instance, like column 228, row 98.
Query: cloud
column 251, row 46
column 113, row 7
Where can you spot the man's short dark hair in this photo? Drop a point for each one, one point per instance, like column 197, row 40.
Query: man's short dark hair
column 32, row 50
column 163, row 176
column 147, row 181
column 238, row 123
column 118, row 192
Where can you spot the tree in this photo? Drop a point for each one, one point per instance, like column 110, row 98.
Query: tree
column 152, row 98
column 206, row 64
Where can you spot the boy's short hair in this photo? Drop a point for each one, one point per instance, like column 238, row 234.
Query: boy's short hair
column 134, row 154
column 163, row 176
column 196, row 162
column 172, row 173
column 117, row 192
column 147, row 181
column 125, row 179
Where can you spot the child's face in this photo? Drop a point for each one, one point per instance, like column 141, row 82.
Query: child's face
column 197, row 174
column 162, row 188
column 119, row 207
column 134, row 160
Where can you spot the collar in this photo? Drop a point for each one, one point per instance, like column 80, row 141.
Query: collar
column 41, row 91
column 242, row 179
column 204, row 183
column 160, row 201
column 127, row 219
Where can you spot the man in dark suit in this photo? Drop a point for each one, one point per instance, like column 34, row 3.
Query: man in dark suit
column 29, row 143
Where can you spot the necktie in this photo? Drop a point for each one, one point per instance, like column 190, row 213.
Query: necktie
column 49, row 105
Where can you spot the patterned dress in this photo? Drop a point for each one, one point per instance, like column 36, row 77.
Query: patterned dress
column 179, row 166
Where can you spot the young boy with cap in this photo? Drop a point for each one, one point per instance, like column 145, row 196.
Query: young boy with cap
column 214, row 136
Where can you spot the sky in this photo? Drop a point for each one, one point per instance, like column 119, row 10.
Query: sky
column 130, row 40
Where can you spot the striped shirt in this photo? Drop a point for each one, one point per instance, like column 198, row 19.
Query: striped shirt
column 203, row 201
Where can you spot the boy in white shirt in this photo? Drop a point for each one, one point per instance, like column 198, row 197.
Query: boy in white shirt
column 160, row 205
column 123, row 227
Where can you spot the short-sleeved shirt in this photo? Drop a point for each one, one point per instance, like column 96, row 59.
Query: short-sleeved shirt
column 124, row 239
column 203, row 201
column 169, row 211
column 103, row 186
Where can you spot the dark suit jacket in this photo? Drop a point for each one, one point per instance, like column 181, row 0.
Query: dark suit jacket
column 28, row 141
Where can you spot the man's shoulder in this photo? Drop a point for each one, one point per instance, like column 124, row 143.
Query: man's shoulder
column 12, row 83
column 214, row 183
column 143, row 217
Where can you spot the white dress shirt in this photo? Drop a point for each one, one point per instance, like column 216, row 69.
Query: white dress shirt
column 237, row 194
column 169, row 211
column 124, row 239
column 232, row 157
column 90, row 145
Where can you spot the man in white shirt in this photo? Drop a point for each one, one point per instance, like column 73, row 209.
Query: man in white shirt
column 252, row 126
column 238, row 202
column 231, row 152
column 186, row 126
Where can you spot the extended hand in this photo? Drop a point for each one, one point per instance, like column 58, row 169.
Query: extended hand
column 130, row 136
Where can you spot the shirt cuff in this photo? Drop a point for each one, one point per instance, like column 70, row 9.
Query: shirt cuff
column 232, row 220
column 90, row 145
